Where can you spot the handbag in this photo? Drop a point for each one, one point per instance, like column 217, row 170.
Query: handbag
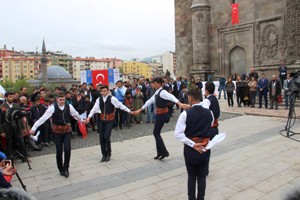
column 279, row 99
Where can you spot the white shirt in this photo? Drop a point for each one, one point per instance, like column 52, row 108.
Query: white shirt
column 180, row 128
column 49, row 113
column 206, row 103
column 164, row 94
column 114, row 101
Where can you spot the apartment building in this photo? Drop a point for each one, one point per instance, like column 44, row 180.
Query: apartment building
column 138, row 68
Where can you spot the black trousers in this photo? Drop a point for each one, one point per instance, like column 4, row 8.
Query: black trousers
column 197, row 169
column 159, row 123
column 63, row 143
column 119, row 118
column 105, row 128
column 230, row 98
column 239, row 98
column 265, row 95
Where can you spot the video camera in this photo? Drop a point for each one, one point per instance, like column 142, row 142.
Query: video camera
column 294, row 88
column 13, row 114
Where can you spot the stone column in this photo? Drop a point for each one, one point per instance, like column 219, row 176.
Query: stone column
column 200, row 34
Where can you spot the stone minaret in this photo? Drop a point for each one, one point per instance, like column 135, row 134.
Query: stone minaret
column 200, row 36
column 44, row 61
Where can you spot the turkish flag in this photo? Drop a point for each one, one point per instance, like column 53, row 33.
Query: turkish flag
column 99, row 77
column 235, row 13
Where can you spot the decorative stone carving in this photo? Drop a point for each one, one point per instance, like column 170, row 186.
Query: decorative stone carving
column 282, row 50
column 258, row 47
column 291, row 28
column 271, row 41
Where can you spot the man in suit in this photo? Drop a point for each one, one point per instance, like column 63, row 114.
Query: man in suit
column 263, row 90
column 177, row 87
column 286, row 85
column 282, row 73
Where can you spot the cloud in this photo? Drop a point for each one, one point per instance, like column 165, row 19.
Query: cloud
column 120, row 28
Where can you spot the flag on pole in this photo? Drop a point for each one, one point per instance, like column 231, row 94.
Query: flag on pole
column 235, row 13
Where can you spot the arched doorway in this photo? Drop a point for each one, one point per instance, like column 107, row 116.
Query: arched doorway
column 237, row 61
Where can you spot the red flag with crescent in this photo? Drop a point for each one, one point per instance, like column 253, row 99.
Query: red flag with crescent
column 99, row 77
column 235, row 13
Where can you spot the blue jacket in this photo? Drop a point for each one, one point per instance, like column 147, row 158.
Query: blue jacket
column 263, row 84
column 120, row 94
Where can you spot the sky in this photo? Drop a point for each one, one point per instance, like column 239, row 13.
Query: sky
column 90, row 28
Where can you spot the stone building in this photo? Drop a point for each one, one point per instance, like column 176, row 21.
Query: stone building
column 207, row 43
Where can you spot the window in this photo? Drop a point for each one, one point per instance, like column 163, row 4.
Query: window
column 17, row 71
column 6, row 76
column 6, row 67
column 17, row 76
column 25, row 67
column 25, row 71
column 31, row 71
column 6, row 71
column 17, row 66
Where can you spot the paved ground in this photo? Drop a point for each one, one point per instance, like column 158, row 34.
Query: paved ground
column 137, row 130
column 254, row 162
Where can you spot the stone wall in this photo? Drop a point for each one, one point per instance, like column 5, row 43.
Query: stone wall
column 269, row 32
column 184, row 43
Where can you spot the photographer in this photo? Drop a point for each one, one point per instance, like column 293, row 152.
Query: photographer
column 12, row 129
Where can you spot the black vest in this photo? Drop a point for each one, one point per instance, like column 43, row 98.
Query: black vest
column 107, row 107
column 198, row 121
column 160, row 102
column 214, row 106
column 61, row 117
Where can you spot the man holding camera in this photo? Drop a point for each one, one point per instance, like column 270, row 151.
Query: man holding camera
column 61, row 114
column 12, row 129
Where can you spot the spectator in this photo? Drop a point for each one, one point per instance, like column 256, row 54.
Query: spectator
column 282, row 73
column 286, row 86
column 252, row 91
column 263, row 90
column 253, row 73
column 222, row 82
column 229, row 88
column 239, row 92
column 275, row 91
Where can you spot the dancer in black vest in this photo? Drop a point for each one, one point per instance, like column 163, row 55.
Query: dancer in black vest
column 61, row 114
column 160, row 98
column 106, row 104
column 211, row 102
column 193, row 128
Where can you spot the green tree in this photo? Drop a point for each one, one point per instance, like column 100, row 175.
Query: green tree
column 10, row 86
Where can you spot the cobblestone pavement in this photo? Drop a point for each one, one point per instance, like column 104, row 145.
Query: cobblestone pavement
column 137, row 130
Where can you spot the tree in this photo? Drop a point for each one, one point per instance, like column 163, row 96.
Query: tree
column 10, row 86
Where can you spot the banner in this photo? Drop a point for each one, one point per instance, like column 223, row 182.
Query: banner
column 116, row 75
column 111, row 79
column 235, row 13
column 89, row 76
column 82, row 76
column 99, row 77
